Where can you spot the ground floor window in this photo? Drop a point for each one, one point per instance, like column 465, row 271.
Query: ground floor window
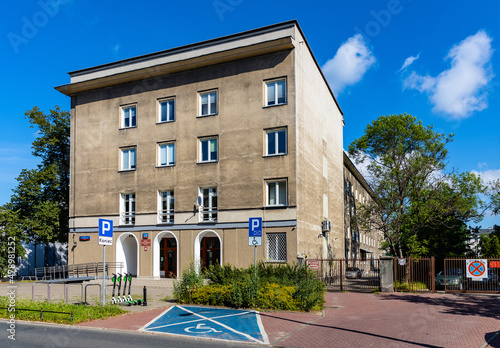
column 276, row 247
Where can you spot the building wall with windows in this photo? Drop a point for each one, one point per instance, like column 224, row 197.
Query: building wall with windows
column 180, row 148
column 359, row 243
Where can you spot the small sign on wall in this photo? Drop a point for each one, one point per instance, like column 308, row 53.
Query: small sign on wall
column 145, row 242
column 84, row 238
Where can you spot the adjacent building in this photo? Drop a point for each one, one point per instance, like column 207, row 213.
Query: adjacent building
column 180, row 148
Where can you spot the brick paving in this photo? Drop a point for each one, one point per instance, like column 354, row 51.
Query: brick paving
column 348, row 320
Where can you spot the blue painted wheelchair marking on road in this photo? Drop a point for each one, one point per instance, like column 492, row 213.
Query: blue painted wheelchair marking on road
column 214, row 323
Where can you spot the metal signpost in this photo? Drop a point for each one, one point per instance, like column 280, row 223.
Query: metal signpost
column 105, row 238
column 255, row 235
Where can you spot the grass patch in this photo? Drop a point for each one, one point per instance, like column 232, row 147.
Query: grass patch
column 81, row 313
column 415, row 286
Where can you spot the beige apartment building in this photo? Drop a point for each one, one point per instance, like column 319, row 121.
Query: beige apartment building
column 180, row 148
column 360, row 244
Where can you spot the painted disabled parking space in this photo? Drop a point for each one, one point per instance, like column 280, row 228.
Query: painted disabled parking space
column 214, row 323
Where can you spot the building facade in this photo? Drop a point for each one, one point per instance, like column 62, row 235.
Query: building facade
column 180, row 148
column 359, row 243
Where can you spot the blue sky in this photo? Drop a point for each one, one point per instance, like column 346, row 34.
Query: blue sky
column 435, row 60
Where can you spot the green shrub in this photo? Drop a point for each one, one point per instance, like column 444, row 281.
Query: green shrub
column 213, row 295
column 275, row 296
column 190, row 282
column 309, row 294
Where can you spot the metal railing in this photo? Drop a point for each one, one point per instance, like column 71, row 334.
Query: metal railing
column 77, row 270
column 470, row 275
column 348, row 274
column 414, row 274
column 41, row 312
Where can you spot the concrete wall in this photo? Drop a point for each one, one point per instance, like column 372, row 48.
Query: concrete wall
column 319, row 159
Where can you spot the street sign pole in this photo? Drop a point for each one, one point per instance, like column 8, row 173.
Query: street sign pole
column 103, row 279
column 255, row 237
column 105, row 237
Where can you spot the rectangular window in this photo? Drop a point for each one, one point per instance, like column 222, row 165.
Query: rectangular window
column 208, row 103
column 276, row 92
column 166, row 154
column 276, row 142
column 276, row 193
column 208, row 150
column 128, row 159
column 166, row 207
column 167, row 110
column 127, row 209
column 276, row 247
column 208, row 207
column 129, row 118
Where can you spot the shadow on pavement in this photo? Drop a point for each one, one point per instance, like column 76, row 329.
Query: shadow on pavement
column 347, row 330
column 485, row 306
column 494, row 337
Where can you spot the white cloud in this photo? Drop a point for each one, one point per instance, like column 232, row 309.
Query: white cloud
column 350, row 63
column 459, row 91
column 488, row 175
column 409, row 61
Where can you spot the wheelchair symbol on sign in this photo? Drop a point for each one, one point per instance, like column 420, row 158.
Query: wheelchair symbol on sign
column 201, row 329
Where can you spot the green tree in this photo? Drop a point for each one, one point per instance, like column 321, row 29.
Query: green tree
column 40, row 199
column 490, row 246
column 415, row 200
column 11, row 238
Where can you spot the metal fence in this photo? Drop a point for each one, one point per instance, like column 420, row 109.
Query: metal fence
column 470, row 275
column 77, row 270
column 348, row 274
column 414, row 274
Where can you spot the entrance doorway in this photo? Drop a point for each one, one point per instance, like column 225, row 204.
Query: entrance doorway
column 168, row 258
column 209, row 251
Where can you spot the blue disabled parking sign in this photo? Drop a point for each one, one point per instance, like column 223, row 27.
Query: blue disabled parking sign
column 207, row 322
column 255, row 231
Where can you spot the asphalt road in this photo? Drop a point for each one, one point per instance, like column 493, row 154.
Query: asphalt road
column 42, row 335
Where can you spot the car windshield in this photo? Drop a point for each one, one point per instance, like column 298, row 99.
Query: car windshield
column 351, row 269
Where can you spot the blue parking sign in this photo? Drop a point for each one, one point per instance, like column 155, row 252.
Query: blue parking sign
column 255, row 227
column 105, row 232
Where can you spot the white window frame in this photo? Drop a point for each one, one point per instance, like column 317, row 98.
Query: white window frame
column 208, row 213
column 209, row 141
column 169, row 162
column 166, row 215
column 274, row 84
column 123, row 111
column 128, row 159
column 274, row 133
column 276, row 247
column 170, row 116
column 127, row 208
column 210, row 95
column 274, row 185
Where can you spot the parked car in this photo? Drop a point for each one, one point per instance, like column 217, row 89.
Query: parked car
column 491, row 283
column 353, row 273
column 453, row 279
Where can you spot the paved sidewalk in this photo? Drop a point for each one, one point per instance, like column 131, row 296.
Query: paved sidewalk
column 348, row 320
column 372, row 320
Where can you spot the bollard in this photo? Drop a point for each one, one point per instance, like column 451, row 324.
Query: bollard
column 144, row 292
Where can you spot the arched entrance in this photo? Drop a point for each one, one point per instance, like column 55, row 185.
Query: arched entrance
column 127, row 251
column 165, row 255
column 207, row 249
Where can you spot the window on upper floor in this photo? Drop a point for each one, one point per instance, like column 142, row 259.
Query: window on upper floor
column 166, row 207
column 166, row 154
column 127, row 208
column 208, row 103
column 208, row 204
column 208, row 150
column 276, row 193
column 276, row 92
column 128, row 159
column 276, row 247
column 166, row 110
column 128, row 116
column 276, row 142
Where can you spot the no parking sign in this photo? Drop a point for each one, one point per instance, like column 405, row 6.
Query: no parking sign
column 477, row 269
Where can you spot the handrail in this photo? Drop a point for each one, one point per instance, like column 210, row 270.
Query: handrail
column 82, row 269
